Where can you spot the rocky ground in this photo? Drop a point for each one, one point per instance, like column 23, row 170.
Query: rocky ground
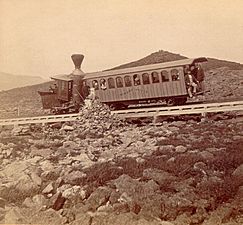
column 22, row 102
column 224, row 84
column 101, row 170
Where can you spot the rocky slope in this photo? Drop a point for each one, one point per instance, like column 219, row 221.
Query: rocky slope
column 223, row 83
column 25, row 99
column 101, row 170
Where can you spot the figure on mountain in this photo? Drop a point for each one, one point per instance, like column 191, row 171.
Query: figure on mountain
column 191, row 83
column 200, row 77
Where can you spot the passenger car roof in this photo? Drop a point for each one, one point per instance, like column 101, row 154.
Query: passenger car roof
column 63, row 77
column 182, row 62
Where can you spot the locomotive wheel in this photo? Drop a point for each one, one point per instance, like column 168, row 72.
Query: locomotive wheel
column 112, row 106
column 171, row 101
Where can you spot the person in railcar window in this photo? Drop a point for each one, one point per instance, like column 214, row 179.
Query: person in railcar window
column 119, row 82
column 53, row 88
column 111, row 83
column 145, row 78
column 95, row 84
column 165, row 76
column 103, row 84
column 155, row 77
column 128, row 81
column 174, row 74
column 136, row 80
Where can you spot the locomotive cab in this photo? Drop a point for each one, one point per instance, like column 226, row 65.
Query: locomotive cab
column 64, row 88
column 67, row 95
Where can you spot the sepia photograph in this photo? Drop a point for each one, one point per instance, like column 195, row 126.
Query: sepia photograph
column 121, row 112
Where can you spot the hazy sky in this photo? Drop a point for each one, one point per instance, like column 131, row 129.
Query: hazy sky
column 37, row 37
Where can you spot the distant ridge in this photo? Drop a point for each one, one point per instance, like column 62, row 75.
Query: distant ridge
column 10, row 81
column 165, row 56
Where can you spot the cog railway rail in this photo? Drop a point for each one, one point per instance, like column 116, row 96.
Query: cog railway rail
column 135, row 113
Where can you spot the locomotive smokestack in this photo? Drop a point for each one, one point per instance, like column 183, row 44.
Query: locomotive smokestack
column 77, row 60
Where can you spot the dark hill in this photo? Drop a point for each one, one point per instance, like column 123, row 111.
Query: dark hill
column 156, row 57
column 165, row 56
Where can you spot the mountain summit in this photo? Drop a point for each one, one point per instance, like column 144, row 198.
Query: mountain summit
column 165, row 56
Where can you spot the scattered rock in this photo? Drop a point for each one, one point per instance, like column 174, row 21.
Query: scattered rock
column 48, row 189
column 161, row 177
column 238, row 174
column 67, row 128
column 180, row 149
column 98, row 198
column 75, row 177
column 58, row 201
column 14, row 216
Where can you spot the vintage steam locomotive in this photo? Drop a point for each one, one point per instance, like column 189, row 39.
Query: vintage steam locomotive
column 120, row 88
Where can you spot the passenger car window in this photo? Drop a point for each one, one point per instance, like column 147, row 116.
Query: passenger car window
column 111, row 83
column 95, row 84
column 155, row 77
column 103, row 84
column 145, row 78
column 174, row 74
column 119, row 82
column 165, row 76
column 128, row 81
column 136, row 80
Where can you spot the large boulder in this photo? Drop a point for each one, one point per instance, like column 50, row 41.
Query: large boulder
column 161, row 177
column 75, row 177
column 18, row 181
column 238, row 175
column 15, row 216
column 98, row 198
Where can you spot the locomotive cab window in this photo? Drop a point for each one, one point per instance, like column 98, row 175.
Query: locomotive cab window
column 174, row 74
column 128, row 81
column 103, row 84
column 155, row 77
column 119, row 82
column 62, row 85
column 136, row 80
column 95, row 84
column 145, row 77
column 111, row 83
column 165, row 76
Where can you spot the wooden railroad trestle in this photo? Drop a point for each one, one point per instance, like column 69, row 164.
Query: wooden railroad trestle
column 135, row 113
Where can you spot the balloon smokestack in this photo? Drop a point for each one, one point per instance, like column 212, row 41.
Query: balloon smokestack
column 77, row 60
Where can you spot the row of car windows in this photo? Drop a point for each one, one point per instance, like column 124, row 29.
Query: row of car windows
column 136, row 79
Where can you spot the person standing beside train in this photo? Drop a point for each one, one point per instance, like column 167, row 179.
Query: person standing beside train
column 191, row 83
column 200, row 77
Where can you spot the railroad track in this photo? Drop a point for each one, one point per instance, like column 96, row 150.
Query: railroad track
column 135, row 113
column 181, row 110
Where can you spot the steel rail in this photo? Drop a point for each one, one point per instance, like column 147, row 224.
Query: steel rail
column 135, row 113
column 40, row 119
column 181, row 110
